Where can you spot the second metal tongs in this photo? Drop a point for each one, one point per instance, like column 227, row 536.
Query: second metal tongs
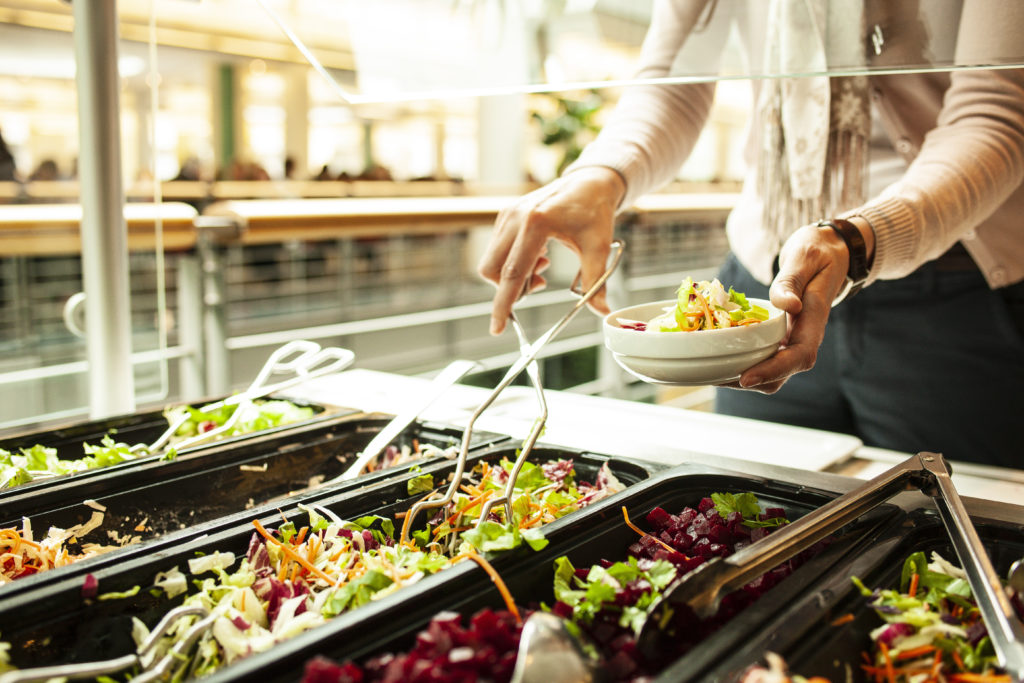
column 527, row 361
column 702, row 589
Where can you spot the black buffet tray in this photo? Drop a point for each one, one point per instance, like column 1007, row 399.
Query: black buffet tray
column 596, row 533
column 809, row 642
column 156, row 497
column 134, row 428
column 51, row 623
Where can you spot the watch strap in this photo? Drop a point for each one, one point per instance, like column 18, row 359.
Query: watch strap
column 857, row 272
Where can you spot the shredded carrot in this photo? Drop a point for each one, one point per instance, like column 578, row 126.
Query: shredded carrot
column 295, row 572
column 845, row 619
column 302, row 535
column 709, row 319
column 314, row 547
column 959, row 661
column 642, row 532
column 916, row 652
column 890, row 674
column 282, row 571
column 980, row 678
column 936, row 664
column 470, row 504
column 913, row 584
column 292, row 554
column 496, row 578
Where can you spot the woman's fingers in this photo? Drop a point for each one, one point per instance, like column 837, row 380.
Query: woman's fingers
column 812, row 269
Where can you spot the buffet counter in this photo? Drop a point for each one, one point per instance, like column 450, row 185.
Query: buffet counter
column 658, row 433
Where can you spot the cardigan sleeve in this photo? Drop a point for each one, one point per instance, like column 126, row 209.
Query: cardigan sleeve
column 970, row 162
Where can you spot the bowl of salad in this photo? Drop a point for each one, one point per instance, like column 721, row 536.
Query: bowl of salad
column 706, row 335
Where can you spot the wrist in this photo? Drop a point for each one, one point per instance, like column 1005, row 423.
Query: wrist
column 856, row 246
column 604, row 179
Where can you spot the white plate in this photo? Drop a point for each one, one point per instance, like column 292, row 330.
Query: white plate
column 690, row 358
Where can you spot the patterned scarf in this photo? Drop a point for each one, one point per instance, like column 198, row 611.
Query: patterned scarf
column 814, row 130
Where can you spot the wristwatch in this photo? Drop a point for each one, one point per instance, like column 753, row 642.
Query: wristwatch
column 857, row 273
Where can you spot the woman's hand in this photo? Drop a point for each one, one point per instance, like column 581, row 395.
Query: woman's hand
column 578, row 210
column 812, row 272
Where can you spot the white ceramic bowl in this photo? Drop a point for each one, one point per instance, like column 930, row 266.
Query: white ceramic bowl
column 691, row 358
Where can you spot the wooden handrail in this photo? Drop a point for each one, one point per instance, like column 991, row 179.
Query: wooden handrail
column 49, row 229
column 39, row 229
column 266, row 221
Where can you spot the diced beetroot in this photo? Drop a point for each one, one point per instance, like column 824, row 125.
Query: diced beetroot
column 659, row 518
column 683, row 541
column 561, row 609
column 322, row 670
column 757, row 533
column 719, row 534
column 687, row 516
column 701, row 526
column 713, row 517
column 676, row 558
column 773, row 512
column 702, row 547
column 718, row 550
column 706, row 504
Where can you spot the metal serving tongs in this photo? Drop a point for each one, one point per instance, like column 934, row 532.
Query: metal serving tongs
column 702, row 589
column 527, row 356
column 451, row 374
column 151, row 669
column 301, row 360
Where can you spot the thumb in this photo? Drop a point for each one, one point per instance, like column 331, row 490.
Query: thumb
column 593, row 262
column 787, row 291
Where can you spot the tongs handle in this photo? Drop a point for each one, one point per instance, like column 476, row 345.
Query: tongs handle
column 527, row 355
column 451, row 374
column 304, row 359
column 1004, row 628
column 703, row 588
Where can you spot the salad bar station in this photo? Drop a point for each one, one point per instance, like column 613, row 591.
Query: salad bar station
column 469, row 548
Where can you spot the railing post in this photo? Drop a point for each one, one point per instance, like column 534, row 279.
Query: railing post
column 213, row 231
column 191, row 370
column 104, row 233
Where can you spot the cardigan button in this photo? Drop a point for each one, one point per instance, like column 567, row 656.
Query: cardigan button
column 904, row 146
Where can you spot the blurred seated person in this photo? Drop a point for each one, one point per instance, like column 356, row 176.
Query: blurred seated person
column 190, row 170
column 46, row 170
column 8, row 168
column 375, row 172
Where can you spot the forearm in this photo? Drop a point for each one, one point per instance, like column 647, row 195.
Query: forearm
column 969, row 164
column 651, row 133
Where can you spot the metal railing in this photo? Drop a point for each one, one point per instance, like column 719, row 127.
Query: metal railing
column 405, row 300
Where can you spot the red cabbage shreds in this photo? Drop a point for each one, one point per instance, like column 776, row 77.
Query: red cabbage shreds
column 444, row 652
column 275, row 592
column 557, row 470
column 90, row 587
column 894, row 631
column 258, row 556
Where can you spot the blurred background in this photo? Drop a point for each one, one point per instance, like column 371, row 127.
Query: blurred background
column 330, row 170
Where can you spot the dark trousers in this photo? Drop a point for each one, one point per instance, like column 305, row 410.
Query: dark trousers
column 931, row 362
